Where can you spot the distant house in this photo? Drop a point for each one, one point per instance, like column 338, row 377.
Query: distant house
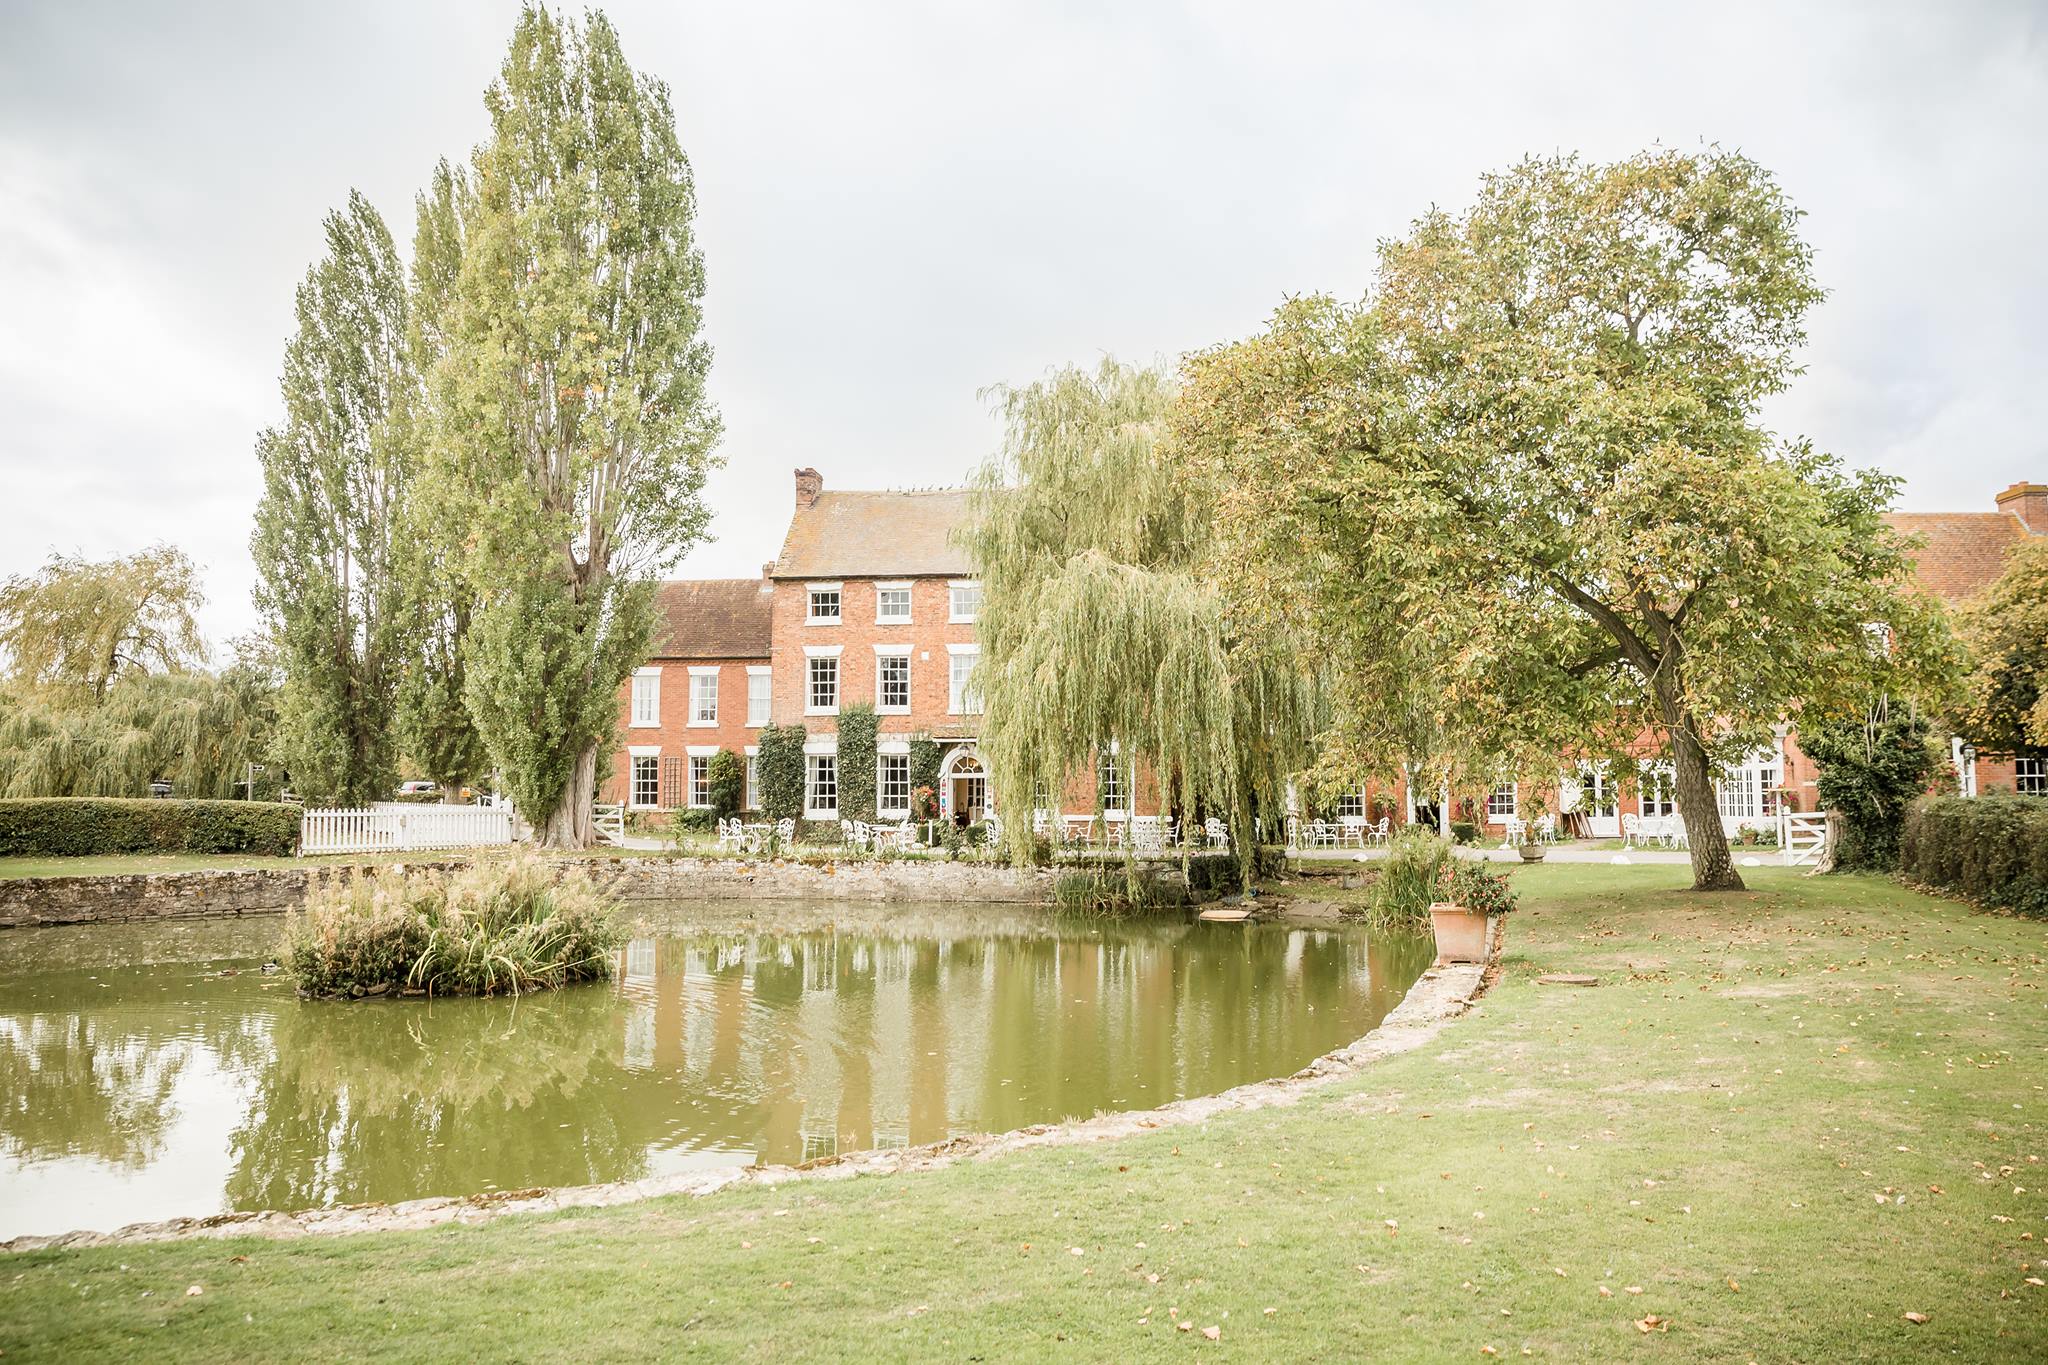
column 871, row 601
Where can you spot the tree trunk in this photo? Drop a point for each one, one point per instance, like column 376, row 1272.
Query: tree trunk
column 569, row 824
column 1712, row 867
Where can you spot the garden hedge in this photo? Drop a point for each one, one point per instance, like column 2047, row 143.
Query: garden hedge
column 1989, row 849
column 77, row 827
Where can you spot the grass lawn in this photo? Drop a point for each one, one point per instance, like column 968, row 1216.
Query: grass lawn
column 1784, row 1120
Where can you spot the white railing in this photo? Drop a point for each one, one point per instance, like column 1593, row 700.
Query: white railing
column 1801, row 837
column 400, row 828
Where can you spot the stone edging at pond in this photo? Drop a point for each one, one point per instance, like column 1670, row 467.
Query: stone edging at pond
column 1439, row 996
column 31, row 901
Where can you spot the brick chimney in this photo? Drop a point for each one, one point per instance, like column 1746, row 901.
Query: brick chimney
column 2027, row 501
column 810, row 483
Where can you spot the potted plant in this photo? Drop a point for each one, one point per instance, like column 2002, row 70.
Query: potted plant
column 1534, row 808
column 1471, row 895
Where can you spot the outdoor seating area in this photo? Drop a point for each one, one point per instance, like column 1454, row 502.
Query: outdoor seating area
column 1347, row 831
column 1645, row 831
column 737, row 836
column 1145, row 835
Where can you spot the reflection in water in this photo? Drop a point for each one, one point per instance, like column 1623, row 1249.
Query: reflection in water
column 143, row 1091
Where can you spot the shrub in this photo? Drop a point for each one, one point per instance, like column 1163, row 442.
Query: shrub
column 77, row 827
column 728, row 784
column 1471, row 884
column 1989, row 849
column 501, row 925
column 1110, row 892
column 857, row 761
column 1465, row 831
column 1408, row 879
column 1871, row 769
column 780, row 766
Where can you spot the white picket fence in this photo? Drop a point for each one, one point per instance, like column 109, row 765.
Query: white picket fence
column 1801, row 837
column 400, row 828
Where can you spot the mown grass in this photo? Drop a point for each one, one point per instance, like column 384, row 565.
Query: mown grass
column 1787, row 1117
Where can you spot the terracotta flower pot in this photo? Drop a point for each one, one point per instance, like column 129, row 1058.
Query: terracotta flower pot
column 1460, row 933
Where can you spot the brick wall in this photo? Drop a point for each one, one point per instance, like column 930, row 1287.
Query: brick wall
column 675, row 736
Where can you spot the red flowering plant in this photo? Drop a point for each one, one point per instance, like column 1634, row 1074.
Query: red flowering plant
column 924, row 804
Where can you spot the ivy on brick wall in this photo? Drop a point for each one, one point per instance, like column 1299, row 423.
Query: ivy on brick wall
column 857, row 761
column 924, row 770
column 782, row 771
column 728, row 783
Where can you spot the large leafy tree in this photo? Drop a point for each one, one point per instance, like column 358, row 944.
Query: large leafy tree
column 573, row 433
column 77, row 626
column 1101, row 623
column 2005, row 697
column 198, row 731
column 327, row 529
column 1538, row 443
column 435, row 729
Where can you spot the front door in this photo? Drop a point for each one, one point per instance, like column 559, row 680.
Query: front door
column 970, row 790
column 1603, row 813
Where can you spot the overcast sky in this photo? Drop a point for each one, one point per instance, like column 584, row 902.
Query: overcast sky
column 901, row 204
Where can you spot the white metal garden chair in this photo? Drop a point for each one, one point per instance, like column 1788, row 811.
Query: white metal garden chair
column 1351, row 831
column 1377, row 834
column 1631, row 831
column 1514, row 831
column 1215, row 832
column 1546, row 829
column 732, row 837
column 1146, row 834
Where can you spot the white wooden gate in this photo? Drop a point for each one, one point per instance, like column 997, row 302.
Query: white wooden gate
column 609, row 820
column 1801, row 837
column 400, row 828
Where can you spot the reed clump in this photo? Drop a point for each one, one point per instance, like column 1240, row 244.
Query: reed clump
column 501, row 926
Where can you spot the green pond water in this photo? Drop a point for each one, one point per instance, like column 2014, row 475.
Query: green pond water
column 149, row 1071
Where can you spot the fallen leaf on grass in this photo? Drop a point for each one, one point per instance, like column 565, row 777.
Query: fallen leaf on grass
column 1734, row 1286
column 1186, row 1324
column 1632, row 1289
column 1652, row 1323
column 194, row 1292
column 1916, row 1318
column 1213, row 1333
column 1605, row 1292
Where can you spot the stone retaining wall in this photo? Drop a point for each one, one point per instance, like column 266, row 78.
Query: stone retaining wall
column 29, row 901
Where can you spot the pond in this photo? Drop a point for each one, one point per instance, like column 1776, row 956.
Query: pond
column 151, row 1071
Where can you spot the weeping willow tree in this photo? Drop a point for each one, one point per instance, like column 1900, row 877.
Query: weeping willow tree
column 197, row 731
column 1102, row 624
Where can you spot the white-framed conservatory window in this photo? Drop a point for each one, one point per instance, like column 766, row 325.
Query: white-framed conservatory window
column 821, row 786
column 821, row 604
column 700, row 780
column 1659, row 792
column 892, row 679
column 704, row 696
column 644, row 789
column 1351, row 804
column 1115, row 791
column 646, row 698
column 892, row 785
column 963, row 601
column 892, row 604
column 2030, row 776
column 962, row 699
column 1748, row 791
column 759, row 694
column 1503, row 801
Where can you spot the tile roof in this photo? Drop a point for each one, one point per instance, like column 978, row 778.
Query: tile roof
column 712, row 618
column 1960, row 552
column 875, row 535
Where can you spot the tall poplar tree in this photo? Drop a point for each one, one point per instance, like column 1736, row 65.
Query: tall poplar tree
column 435, row 728
column 334, row 477
column 573, row 430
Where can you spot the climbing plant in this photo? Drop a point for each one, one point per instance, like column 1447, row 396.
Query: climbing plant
column 781, row 768
column 857, row 761
column 728, row 783
column 924, row 775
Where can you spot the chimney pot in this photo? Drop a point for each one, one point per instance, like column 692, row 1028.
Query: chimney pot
column 2028, row 502
column 809, row 483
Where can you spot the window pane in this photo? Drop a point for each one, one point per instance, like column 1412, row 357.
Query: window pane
column 893, row 777
column 646, row 699
column 965, row 600
column 757, row 698
column 700, row 780
column 892, row 688
column 893, row 604
column 1500, row 802
column 963, row 698
column 752, row 799
column 822, row 794
column 646, row 781
column 1112, row 779
column 704, row 698
column 824, row 682
column 824, row 604
column 2030, row 776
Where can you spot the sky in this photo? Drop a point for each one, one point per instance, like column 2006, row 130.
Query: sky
column 902, row 204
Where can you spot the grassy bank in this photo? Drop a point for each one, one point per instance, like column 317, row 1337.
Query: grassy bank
column 1783, row 1121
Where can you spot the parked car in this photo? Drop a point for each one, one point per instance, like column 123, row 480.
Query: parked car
column 416, row 787
column 160, row 789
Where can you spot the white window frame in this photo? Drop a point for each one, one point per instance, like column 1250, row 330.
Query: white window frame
column 760, row 695
column 646, row 717
column 1496, row 811
column 1351, row 804
column 813, row 653
column 811, row 614
column 814, row 767
column 2030, row 776
column 901, row 708
column 636, row 754
column 699, row 677
column 1112, row 782
column 1657, row 792
column 698, row 754
column 903, row 586
column 884, row 759
column 953, row 613
column 750, row 797
column 961, row 698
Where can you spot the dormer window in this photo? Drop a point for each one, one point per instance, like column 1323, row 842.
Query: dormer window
column 822, row 604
